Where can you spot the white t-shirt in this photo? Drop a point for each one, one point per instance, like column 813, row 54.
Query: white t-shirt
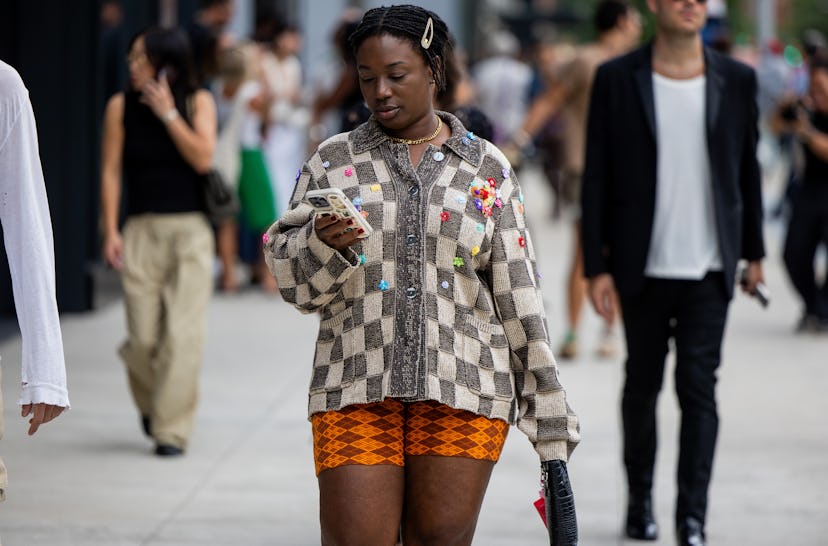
column 27, row 231
column 284, row 79
column 684, row 244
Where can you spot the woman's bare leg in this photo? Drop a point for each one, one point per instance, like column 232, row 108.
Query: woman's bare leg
column 228, row 250
column 361, row 505
column 576, row 292
column 443, row 496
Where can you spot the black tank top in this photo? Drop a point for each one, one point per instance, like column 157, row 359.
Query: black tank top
column 157, row 177
column 816, row 169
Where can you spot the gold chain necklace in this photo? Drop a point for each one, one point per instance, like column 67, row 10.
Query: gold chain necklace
column 428, row 138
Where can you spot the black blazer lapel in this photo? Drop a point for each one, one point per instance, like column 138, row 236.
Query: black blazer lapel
column 714, row 94
column 644, row 80
column 714, row 89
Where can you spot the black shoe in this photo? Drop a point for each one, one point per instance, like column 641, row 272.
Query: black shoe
column 146, row 425
column 167, row 450
column 690, row 533
column 641, row 525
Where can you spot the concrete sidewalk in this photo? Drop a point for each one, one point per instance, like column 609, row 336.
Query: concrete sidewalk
column 90, row 479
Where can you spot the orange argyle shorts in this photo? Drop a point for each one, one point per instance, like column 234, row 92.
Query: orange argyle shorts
column 385, row 432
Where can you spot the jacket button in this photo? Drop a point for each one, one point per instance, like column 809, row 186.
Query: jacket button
column 413, row 190
column 411, row 293
column 411, row 239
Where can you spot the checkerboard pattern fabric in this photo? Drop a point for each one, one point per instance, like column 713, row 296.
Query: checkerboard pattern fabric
column 385, row 432
column 441, row 302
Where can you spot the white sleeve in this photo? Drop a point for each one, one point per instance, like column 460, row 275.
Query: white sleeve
column 27, row 231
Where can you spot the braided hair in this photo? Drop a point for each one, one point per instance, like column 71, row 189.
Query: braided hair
column 409, row 23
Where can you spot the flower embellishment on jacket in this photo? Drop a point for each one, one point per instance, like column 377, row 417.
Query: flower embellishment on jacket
column 486, row 195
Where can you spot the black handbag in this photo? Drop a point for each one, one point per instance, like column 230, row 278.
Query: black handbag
column 559, row 502
column 220, row 201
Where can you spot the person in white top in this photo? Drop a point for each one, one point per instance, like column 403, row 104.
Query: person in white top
column 27, row 233
column 671, row 203
column 243, row 105
column 286, row 142
column 502, row 85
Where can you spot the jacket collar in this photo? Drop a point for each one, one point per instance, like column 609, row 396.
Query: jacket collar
column 370, row 135
column 714, row 86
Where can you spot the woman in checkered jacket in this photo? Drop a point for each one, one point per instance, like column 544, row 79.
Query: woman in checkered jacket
column 433, row 336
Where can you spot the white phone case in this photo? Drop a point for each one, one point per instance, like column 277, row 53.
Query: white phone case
column 332, row 201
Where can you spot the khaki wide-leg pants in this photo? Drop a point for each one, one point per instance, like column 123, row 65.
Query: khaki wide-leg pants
column 167, row 281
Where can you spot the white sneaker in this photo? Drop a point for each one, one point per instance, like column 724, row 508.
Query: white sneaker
column 608, row 346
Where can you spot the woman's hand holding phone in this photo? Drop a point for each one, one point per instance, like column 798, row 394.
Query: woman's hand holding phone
column 339, row 223
column 158, row 96
column 336, row 233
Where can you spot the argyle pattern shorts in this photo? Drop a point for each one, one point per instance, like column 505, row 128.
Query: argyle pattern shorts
column 385, row 432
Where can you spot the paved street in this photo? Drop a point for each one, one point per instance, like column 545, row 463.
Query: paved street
column 90, row 479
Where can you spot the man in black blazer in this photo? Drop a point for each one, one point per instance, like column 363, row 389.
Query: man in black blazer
column 671, row 202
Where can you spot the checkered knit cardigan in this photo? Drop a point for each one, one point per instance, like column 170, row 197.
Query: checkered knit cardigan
column 441, row 302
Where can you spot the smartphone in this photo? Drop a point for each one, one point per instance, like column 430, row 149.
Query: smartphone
column 333, row 202
column 789, row 112
column 168, row 72
column 761, row 292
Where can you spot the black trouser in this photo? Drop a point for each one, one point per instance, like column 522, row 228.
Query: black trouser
column 807, row 230
column 694, row 314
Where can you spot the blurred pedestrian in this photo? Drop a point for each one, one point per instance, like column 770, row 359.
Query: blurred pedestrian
column 287, row 134
column 774, row 77
column 811, row 41
column 671, row 202
column 160, row 134
column 808, row 227
column 432, row 336
column 208, row 36
column 619, row 29
column 27, row 237
column 547, row 146
column 343, row 97
column 457, row 96
column 243, row 104
column 502, row 82
column 775, row 80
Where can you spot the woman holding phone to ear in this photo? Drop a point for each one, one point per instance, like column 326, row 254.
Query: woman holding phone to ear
column 158, row 136
column 432, row 338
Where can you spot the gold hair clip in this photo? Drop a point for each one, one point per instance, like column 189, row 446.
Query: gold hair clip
column 428, row 34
